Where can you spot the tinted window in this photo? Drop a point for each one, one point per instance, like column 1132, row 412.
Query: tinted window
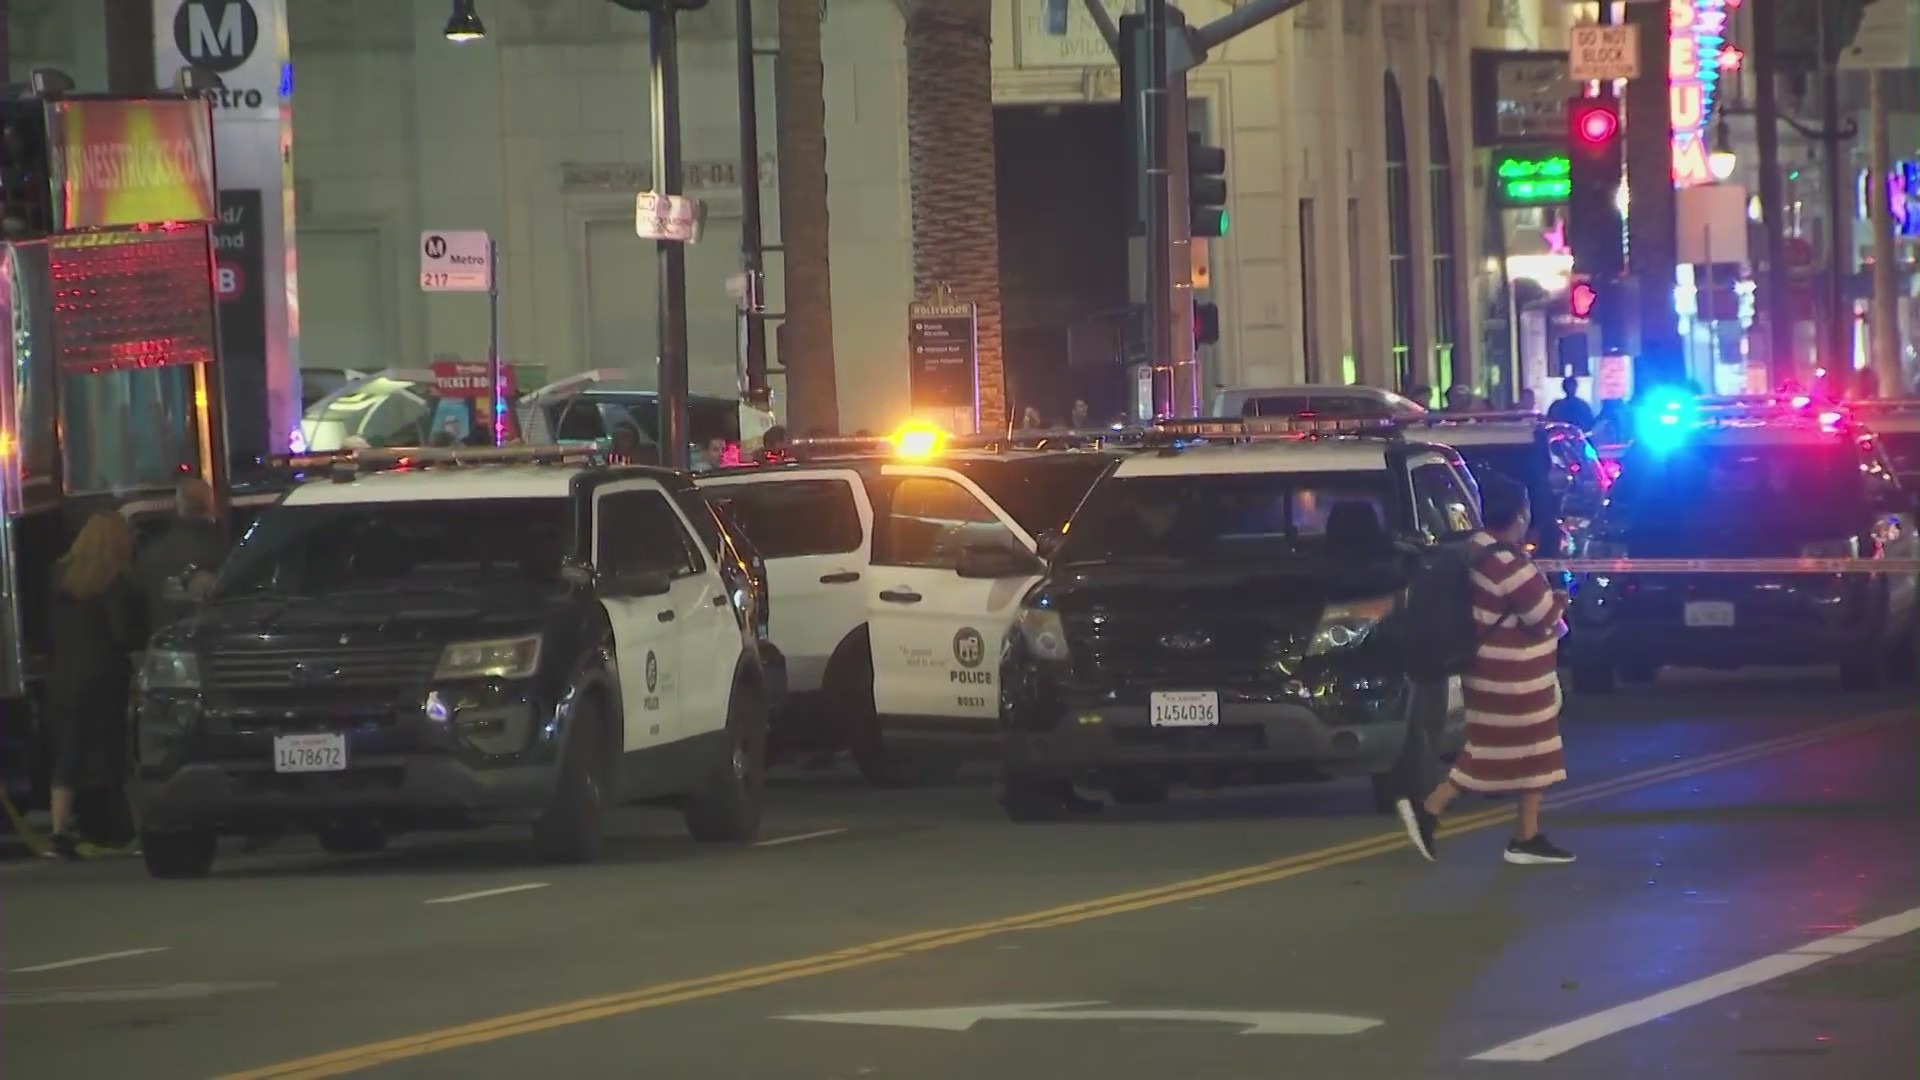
column 1520, row 464
column 1903, row 450
column 321, row 550
column 1243, row 515
column 578, row 421
column 695, row 507
column 638, row 531
column 931, row 520
column 1800, row 486
column 790, row 518
column 1444, row 505
column 1040, row 494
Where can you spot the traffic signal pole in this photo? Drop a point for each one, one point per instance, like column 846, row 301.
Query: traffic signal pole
column 663, row 47
column 1158, row 211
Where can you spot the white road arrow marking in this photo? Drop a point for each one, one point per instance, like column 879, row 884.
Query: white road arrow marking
column 964, row 1017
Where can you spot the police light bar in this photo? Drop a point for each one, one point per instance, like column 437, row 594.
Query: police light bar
column 1255, row 427
column 1885, row 405
column 1502, row 416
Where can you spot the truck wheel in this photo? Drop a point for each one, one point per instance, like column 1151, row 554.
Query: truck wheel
column 729, row 808
column 358, row 838
column 569, row 830
column 850, row 698
column 179, row 854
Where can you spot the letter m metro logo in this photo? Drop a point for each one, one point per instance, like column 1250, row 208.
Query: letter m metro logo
column 217, row 35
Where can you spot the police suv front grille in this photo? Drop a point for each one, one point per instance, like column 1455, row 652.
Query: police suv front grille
column 1168, row 654
column 355, row 671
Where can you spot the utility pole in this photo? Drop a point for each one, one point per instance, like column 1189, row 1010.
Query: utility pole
column 663, row 49
column 1775, row 292
column 1838, row 360
column 1651, row 251
column 1885, row 336
column 1172, row 48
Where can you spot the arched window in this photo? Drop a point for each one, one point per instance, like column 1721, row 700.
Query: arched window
column 1400, row 239
column 1446, row 313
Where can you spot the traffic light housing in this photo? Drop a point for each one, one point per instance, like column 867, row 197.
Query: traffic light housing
column 1582, row 298
column 1206, row 188
column 1595, row 157
column 1206, row 323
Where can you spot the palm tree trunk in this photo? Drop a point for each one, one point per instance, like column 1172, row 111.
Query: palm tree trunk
column 950, row 162
column 806, row 340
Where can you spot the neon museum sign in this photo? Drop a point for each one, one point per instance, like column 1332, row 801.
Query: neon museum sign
column 1696, row 44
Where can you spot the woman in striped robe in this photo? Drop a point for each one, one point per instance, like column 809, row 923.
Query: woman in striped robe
column 1513, row 690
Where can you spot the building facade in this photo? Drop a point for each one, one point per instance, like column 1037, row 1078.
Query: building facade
column 1356, row 195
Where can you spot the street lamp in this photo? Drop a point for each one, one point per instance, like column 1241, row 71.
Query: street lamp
column 1721, row 161
column 464, row 24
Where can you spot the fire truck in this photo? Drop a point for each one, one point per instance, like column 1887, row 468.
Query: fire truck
column 109, row 375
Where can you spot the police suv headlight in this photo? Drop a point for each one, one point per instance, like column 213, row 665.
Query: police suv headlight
column 502, row 658
column 169, row 669
column 1346, row 624
column 1044, row 633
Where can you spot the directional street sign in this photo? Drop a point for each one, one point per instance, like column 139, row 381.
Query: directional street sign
column 964, row 1017
column 1603, row 53
column 456, row 261
column 943, row 354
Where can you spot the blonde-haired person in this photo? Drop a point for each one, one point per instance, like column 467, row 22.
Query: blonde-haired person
column 97, row 625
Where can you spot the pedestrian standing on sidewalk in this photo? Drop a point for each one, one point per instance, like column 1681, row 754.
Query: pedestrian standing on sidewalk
column 1513, row 687
column 98, row 624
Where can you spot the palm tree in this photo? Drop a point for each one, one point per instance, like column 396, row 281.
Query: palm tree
column 956, row 228
column 806, row 340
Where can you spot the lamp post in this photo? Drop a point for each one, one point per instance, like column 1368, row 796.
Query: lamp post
column 663, row 50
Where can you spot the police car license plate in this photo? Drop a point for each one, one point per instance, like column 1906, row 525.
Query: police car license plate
column 1709, row 613
column 1184, row 708
column 309, row 753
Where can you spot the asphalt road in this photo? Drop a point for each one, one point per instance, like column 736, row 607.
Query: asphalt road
column 1745, row 906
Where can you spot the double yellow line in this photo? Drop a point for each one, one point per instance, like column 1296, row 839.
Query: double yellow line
column 652, row 997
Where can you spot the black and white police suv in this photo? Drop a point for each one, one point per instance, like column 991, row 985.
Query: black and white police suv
column 1209, row 616
column 1732, row 482
column 435, row 639
column 878, row 563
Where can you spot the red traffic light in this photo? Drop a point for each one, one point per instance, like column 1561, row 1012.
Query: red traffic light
column 1582, row 298
column 1594, row 123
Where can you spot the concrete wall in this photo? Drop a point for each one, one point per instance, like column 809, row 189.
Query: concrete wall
column 541, row 134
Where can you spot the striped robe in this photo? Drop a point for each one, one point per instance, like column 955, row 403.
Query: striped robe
column 1513, row 690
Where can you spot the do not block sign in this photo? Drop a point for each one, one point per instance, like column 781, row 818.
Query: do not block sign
column 1603, row 53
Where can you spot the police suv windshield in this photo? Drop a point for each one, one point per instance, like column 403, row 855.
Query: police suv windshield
column 1040, row 493
column 1903, row 451
column 1223, row 516
column 1519, row 462
column 1803, row 487
column 312, row 551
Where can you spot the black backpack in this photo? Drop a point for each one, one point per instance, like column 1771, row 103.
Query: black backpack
column 1438, row 635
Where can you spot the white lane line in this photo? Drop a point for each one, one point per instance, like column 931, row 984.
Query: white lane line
column 81, row 960
column 820, row 835
column 484, row 893
column 1555, row 1041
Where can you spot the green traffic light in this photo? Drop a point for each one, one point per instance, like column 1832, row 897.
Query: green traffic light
column 1223, row 223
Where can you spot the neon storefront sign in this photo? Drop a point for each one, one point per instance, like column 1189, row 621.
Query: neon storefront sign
column 1696, row 40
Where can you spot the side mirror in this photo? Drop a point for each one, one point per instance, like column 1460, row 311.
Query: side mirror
column 987, row 561
column 1049, row 542
column 576, row 574
column 634, row 584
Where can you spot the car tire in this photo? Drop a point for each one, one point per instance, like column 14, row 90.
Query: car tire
column 1593, row 678
column 733, row 800
column 353, row 839
column 570, row 828
column 1863, row 674
column 1028, row 800
column 850, row 695
column 1139, row 791
column 175, row 855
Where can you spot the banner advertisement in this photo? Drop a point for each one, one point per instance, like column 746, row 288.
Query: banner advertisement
column 120, row 163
